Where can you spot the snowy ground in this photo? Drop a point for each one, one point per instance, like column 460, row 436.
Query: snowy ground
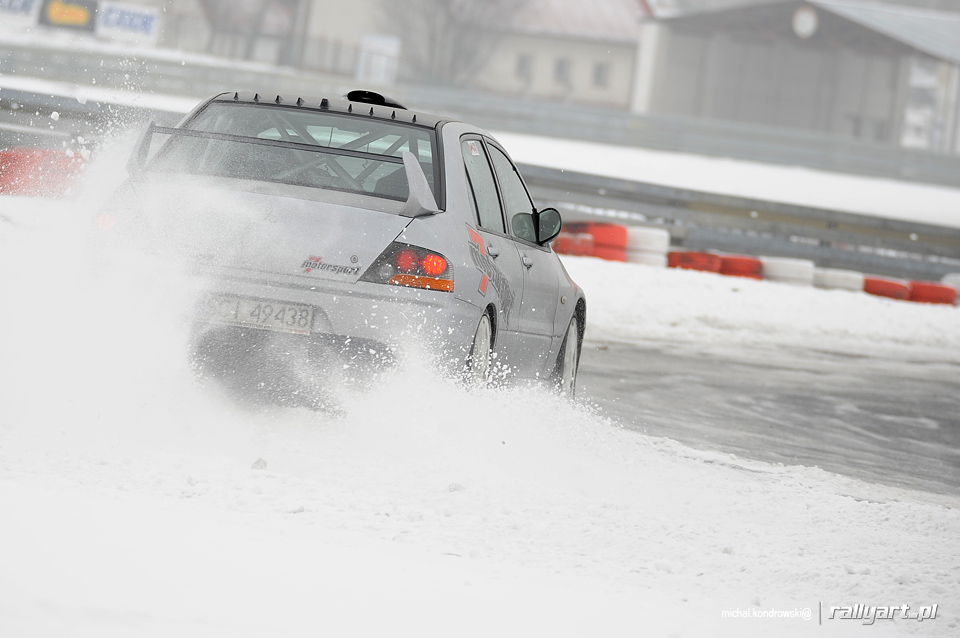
column 137, row 503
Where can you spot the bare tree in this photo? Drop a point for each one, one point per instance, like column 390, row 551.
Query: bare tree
column 446, row 42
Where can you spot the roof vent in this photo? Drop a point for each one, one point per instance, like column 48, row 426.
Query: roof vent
column 256, row 97
column 371, row 97
column 278, row 100
column 324, row 103
column 299, row 101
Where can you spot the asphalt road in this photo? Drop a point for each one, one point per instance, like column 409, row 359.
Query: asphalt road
column 884, row 420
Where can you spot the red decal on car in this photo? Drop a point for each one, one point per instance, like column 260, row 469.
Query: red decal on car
column 490, row 272
column 477, row 239
column 310, row 263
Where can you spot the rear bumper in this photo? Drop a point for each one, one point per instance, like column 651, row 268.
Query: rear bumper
column 360, row 322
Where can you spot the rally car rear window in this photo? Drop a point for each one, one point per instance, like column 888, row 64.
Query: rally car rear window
column 316, row 149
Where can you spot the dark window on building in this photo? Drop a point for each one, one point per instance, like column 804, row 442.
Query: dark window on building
column 524, row 68
column 561, row 70
column 601, row 74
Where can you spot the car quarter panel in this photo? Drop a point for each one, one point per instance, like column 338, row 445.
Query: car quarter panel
column 489, row 279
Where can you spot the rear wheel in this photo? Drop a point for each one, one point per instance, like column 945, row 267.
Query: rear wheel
column 478, row 362
column 569, row 361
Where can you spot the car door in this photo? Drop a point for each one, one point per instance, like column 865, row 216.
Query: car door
column 492, row 249
column 541, row 284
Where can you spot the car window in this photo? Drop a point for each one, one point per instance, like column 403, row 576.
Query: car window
column 359, row 166
column 515, row 197
column 483, row 188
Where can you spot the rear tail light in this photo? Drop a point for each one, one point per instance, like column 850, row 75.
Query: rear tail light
column 407, row 261
column 411, row 266
column 433, row 265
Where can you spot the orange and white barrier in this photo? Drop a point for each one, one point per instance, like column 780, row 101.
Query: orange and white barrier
column 932, row 292
column 648, row 246
column 651, row 246
column 609, row 240
column 694, row 260
column 580, row 244
column 798, row 272
column 740, row 266
column 886, row 287
column 837, row 279
column 953, row 280
column 38, row 172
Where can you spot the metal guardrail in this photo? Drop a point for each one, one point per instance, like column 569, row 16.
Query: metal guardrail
column 707, row 221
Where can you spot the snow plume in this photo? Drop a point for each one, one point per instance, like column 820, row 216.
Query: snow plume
column 100, row 344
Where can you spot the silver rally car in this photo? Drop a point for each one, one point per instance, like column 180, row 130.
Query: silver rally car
column 352, row 226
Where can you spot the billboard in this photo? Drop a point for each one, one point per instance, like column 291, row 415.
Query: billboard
column 114, row 21
column 19, row 13
column 127, row 22
column 75, row 15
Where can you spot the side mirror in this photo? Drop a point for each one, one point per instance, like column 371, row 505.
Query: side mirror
column 548, row 225
column 524, row 227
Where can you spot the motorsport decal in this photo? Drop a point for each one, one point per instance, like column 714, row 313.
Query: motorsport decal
column 491, row 274
column 316, row 263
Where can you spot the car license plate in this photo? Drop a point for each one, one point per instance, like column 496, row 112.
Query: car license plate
column 259, row 313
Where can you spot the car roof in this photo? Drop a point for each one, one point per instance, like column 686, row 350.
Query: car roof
column 331, row 105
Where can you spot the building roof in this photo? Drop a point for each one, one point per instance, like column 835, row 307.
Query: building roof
column 935, row 33
column 609, row 20
column 675, row 8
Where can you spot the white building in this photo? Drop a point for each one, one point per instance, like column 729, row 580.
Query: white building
column 568, row 50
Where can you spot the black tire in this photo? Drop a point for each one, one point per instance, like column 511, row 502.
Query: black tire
column 477, row 372
column 568, row 362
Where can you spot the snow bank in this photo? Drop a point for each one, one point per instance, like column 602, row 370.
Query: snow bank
column 132, row 506
column 633, row 302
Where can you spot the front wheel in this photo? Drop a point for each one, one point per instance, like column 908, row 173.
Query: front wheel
column 478, row 362
column 569, row 361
